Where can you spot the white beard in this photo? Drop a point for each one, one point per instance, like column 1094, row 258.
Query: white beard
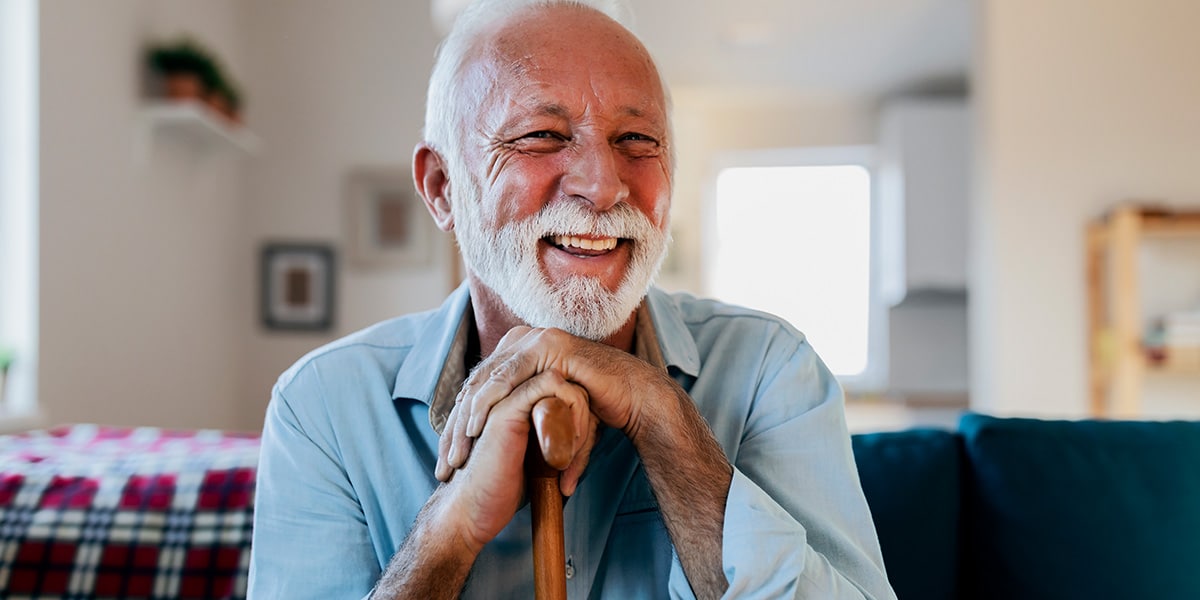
column 506, row 260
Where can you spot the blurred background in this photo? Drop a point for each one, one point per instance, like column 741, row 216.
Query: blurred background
column 910, row 182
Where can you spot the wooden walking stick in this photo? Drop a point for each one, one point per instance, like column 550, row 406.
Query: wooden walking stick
column 545, row 457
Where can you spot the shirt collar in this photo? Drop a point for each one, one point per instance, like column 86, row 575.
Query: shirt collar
column 674, row 338
column 435, row 370
column 418, row 375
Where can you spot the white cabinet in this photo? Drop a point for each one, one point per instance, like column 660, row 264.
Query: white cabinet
column 923, row 178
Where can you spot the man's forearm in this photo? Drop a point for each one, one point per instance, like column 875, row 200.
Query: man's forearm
column 690, row 476
column 433, row 563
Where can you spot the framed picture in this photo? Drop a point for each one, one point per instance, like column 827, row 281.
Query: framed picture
column 297, row 286
column 389, row 225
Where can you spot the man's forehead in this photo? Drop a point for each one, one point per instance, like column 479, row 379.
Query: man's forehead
column 542, row 37
column 553, row 81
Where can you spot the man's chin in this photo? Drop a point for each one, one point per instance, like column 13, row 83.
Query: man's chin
column 578, row 308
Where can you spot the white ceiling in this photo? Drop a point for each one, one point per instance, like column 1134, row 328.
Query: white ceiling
column 862, row 47
column 855, row 47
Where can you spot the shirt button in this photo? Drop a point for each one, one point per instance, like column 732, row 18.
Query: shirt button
column 570, row 566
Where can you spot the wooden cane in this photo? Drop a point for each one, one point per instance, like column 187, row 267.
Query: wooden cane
column 545, row 457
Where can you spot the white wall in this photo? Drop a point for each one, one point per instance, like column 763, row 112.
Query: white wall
column 1081, row 104
column 338, row 85
column 140, row 300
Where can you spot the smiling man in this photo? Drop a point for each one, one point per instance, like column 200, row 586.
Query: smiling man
column 709, row 452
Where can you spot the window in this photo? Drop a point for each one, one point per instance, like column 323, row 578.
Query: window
column 18, row 214
column 793, row 235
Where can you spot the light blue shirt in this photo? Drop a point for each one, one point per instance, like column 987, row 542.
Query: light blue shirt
column 348, row 454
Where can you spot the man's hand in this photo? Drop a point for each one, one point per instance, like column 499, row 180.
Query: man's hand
column 505, row 371
column 479, row 500
column 686, row 466
column 608, row 375
column 487, row 490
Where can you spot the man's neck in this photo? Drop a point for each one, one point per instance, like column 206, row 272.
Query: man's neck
column 493, row 320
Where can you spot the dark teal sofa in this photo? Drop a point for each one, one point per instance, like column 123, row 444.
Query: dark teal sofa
column 1025, row 509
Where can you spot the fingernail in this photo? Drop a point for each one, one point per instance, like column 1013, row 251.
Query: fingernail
column 471, row 427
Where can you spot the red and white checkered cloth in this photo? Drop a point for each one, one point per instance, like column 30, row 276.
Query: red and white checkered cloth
column 91, row 512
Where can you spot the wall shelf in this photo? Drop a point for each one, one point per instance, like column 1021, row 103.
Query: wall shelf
column 1118, row 360
column 194, row 121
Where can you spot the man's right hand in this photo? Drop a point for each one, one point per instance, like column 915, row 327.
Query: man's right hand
column 480, row 498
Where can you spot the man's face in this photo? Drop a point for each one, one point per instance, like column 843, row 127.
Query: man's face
column 561, row 205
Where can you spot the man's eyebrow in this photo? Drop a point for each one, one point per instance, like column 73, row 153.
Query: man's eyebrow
column 554, row 109
column 633, row 111
column 551, row 110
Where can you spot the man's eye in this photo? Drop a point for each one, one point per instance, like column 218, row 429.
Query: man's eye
column 637, row 137
column 543, row 135
column 639, row 145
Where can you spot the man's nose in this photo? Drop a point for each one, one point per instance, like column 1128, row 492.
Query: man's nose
column 593, row 174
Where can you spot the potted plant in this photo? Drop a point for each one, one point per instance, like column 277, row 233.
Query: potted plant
column 187, row 69
column 225, row 98
column 6, row 359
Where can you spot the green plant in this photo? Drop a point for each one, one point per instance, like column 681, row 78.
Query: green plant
column 7, row 355
column 183, row 56
column 225, row 87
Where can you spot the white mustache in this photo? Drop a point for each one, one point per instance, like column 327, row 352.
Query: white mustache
column 573, row 218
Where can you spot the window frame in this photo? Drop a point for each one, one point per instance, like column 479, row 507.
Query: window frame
column 19, row 210
column 873, row 378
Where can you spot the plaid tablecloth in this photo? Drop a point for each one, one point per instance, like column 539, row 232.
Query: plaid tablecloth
column 91, row 512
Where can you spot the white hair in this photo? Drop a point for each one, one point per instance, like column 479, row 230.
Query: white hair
column 443, row 105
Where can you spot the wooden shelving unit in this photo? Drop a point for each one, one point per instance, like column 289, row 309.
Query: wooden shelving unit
column 1118, row 361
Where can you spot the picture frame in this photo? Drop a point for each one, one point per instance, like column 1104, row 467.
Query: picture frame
column 388, row 223
column 297, row 289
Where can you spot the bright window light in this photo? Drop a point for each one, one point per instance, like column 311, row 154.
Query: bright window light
column 18, row 208
column 795, row 241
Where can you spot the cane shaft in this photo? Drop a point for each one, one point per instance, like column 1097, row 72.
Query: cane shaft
column 545, row 499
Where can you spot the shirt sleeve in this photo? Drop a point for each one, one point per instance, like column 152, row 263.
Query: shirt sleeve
column 797, row 523
column 310, row 535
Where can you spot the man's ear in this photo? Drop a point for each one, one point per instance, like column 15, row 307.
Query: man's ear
column 433, row 183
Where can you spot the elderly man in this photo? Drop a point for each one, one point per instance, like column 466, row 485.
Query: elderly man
column 709, row 452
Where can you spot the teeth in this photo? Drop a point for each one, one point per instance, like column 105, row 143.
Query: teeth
column 585, row 243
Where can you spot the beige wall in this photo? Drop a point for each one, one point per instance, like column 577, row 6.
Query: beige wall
column 338, row 85
column 140, row 286
column 149, row 268
column 1080, row 104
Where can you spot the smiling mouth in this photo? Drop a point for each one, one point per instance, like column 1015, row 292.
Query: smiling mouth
column 583, row 246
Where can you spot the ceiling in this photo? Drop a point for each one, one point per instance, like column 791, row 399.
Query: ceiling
column 855, row 47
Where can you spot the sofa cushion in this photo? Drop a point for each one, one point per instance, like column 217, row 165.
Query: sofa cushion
column 911, row 480
column 1082, row 509
column 92, row 512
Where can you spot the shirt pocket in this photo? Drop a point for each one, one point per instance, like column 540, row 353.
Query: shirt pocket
column 638, row 499
column 637, row 562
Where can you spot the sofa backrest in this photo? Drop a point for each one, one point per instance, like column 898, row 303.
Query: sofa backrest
column 1081, row 509
column 912, row 483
